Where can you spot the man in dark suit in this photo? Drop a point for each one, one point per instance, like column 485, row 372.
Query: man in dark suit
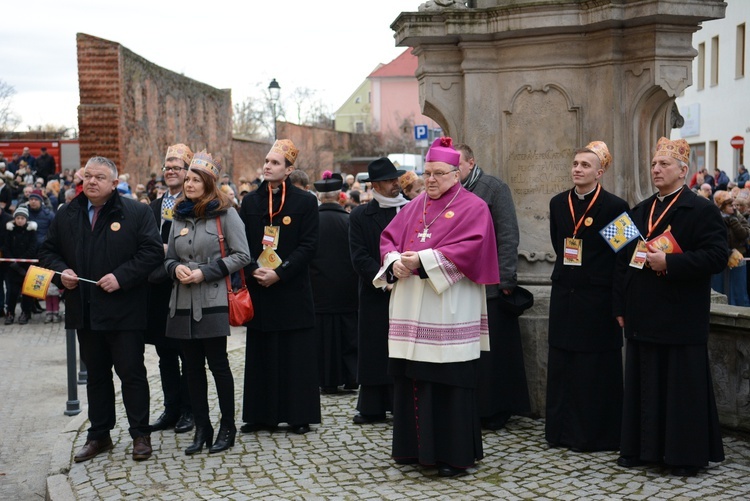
column 334, row 286
column 502, row 390
column 584, row 370
column 113, row 240
column 177, row 411
column 366, row 223
column 281, row 370
column 664, row 303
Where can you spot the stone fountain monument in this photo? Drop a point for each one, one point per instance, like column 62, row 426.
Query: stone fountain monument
column 525, row 82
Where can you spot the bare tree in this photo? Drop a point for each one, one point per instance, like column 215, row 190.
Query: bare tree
column 9, row 120
column 248, row 119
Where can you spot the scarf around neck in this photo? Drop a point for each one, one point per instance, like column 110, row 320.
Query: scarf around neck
column 388, row 202
column 471, row 180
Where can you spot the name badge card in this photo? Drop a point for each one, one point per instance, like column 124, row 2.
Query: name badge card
column 639, row 255
column 573, row 254
column 271, row 237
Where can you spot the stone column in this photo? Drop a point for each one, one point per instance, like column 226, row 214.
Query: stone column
column 526, row 82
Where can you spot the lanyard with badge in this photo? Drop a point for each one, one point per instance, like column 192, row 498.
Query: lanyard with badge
column 573, row 253
column 268, row 258
column 639, row 255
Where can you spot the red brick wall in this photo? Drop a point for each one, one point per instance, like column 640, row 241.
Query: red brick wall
column 319, row 149
column 99, row 89
column 248, row 158
column 131, row 110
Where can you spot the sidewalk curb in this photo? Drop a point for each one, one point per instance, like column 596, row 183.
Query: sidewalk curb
column 58, row 486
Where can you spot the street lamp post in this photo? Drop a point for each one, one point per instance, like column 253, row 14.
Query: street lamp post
column 274, row 89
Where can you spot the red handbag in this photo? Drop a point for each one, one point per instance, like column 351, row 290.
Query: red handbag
column 241, row 309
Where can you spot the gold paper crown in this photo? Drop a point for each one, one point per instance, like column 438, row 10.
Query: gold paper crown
column 407, row 178
column 599, row 148
column 180, row 151
column 286, row 147
column 678, row 149
column 204, row 161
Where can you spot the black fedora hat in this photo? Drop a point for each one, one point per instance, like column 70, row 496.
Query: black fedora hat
column 382, row 169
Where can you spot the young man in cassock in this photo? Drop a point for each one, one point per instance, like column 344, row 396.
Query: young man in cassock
column 440, row 252
column 664, row 303
column 584, row 368
column 281, row 369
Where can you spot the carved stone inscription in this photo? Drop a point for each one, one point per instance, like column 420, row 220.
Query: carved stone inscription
column 541, row 133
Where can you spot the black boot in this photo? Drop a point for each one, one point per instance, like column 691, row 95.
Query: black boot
column 203, row 435
column 224, row 439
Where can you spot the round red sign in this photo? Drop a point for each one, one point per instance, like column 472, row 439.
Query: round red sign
column 737, row 142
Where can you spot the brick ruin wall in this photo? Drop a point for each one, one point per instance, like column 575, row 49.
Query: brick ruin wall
column 131, row 110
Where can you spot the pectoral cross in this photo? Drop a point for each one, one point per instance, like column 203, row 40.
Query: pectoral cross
column 424, row 235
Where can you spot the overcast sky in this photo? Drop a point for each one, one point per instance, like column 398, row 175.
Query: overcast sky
column 326, row 45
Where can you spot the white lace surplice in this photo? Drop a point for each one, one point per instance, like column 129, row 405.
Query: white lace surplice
column 440, row 319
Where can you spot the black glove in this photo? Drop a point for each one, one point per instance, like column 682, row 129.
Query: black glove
column 18, row 269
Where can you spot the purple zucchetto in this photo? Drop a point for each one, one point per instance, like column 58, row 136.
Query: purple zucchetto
column 442, row 150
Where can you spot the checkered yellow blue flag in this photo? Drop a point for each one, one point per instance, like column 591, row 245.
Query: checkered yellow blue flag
column 620, row 232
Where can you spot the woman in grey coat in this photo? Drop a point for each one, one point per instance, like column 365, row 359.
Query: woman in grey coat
column 198, row 311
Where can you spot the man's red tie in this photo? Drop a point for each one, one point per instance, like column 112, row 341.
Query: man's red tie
column 96, row 214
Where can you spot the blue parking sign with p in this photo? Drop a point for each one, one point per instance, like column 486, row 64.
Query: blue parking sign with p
column 420, row 132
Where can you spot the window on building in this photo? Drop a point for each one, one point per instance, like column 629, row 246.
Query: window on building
column 358, row 100
column 359, row 127
column 715, row 61
column 739, row 64
column 701, row 66
column 369, row 97
column 697, row 156
column 713, row 152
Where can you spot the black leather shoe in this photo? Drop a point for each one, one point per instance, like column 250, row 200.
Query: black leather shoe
column 164, row 422
column 185, row 424
column 368, row 418
column 203, row 435
column 93, row 448
column 9, row 318
column 685, row 471
column 299, row 429
column 23, row 318
column 446, row 470
column 629, row 462
column 329, row 390
column 224, row 439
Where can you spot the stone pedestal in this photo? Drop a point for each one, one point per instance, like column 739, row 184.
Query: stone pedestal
column 525, row 82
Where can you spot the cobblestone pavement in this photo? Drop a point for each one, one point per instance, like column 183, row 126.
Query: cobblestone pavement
column 337, row 460
column 33, row 388
column 341, row 460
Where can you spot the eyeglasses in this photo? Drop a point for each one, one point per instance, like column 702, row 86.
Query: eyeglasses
column 172, row 169
column 436, row 175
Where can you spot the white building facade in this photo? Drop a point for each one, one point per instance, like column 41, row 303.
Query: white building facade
column 716, row 108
